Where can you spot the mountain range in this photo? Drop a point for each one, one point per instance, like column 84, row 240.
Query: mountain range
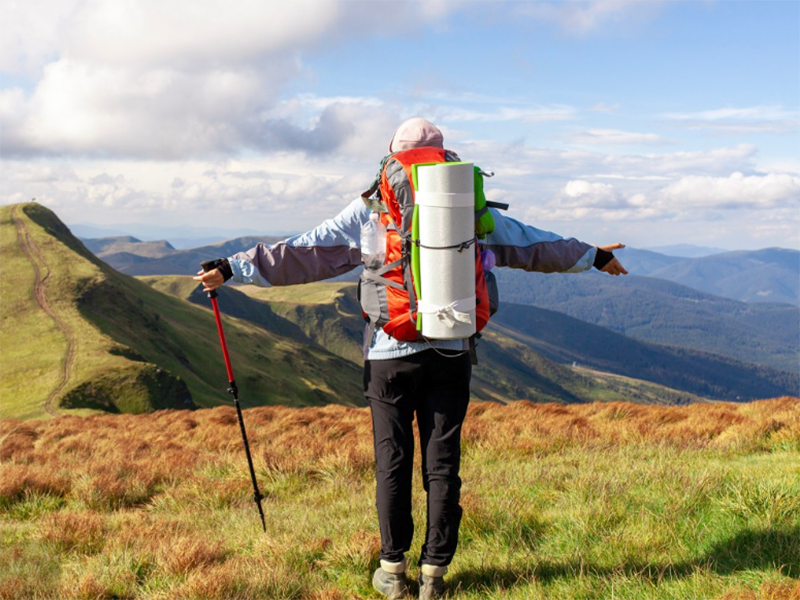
column 650, row 304
column 78, row 335
column 769, row 275
column 663, row 312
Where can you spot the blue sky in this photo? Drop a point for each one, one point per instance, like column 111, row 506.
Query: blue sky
column 646, row 122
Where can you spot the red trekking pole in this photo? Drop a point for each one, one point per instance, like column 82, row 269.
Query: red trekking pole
column 234, row 391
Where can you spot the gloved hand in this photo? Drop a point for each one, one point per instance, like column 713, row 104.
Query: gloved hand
column 214, row 273
column 606, row 262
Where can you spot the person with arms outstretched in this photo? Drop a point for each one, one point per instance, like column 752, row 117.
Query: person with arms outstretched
column 405, row 373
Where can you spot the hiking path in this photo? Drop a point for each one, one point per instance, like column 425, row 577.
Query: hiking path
column 31, row 251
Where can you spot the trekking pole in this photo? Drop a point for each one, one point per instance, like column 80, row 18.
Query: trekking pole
column 234, row 391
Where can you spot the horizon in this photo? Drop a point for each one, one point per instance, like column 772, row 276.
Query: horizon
column 650, row 123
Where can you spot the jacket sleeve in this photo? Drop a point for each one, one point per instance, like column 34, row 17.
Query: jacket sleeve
column 331, row 249
column 521, row 246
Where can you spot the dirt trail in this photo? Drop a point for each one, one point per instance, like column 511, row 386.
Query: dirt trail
column 31, row 250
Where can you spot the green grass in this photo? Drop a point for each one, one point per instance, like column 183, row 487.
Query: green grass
column 548, row 514
column 123, row 331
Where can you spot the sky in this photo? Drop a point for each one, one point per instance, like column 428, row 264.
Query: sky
column 645, row 122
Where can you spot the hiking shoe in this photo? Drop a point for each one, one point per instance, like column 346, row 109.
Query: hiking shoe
column 391, row 585
column 430, row 587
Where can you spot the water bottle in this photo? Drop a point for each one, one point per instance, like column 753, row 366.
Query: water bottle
column 373, row 242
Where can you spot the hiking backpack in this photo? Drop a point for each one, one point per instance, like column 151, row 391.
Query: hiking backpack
column 387, row 292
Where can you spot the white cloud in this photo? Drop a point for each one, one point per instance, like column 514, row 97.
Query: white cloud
column 770, row 203
column 32, row 33
column 517, row 161
column 762, row 113
column 616, row 137
column 533, row 114
column 578, row 194
column 148, row 79
column 581, row 17
column 740, row 120
column 735, row 191
column 603, row 107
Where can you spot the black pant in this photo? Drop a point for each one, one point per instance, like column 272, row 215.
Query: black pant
column 436, row 388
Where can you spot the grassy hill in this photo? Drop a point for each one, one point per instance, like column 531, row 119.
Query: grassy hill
column 77, row 334
column 105, row 341
column 524, row 352
column 50, row 353
column 560, row 503
column 328, row 314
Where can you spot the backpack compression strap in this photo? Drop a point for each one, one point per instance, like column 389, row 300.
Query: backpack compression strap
column 376, row 204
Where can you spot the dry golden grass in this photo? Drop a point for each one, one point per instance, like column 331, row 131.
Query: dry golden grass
column 128, row 506
column 768, row 591
column 121, row 460
column 527, row 426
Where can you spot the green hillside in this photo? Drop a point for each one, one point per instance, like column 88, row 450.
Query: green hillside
column 79, row 335
column 328, row 314
column 522, row 353
column 51, row 355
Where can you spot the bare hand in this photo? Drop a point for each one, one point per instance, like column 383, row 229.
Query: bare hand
column 614, row 267
column 211, row 280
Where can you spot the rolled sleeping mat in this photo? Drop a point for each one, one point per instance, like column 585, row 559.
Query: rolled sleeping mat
column 445, row 198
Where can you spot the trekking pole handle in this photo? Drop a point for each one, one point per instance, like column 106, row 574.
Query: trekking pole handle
column 210, row 265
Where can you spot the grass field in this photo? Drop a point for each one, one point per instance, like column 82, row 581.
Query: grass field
column 573, row 502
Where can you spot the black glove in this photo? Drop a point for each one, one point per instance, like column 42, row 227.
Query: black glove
column 222, row 264
column 602, row 258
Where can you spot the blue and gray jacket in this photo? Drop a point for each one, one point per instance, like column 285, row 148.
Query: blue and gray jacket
column 333, row 248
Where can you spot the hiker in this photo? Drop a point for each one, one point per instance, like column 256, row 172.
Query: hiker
column 404, row 375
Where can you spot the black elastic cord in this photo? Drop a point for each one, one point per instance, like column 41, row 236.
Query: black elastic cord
column 462, row 246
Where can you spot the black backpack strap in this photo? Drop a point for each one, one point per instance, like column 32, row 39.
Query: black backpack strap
column 497, row 205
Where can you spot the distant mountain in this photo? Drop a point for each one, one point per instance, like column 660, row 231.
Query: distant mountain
column 103, row 247
column 80, row 337
column 686, row 250
column 565, row 339
column 663, row 312
column 184, row 262
column 768, row 275
column 177, row 236
column 644, row 262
